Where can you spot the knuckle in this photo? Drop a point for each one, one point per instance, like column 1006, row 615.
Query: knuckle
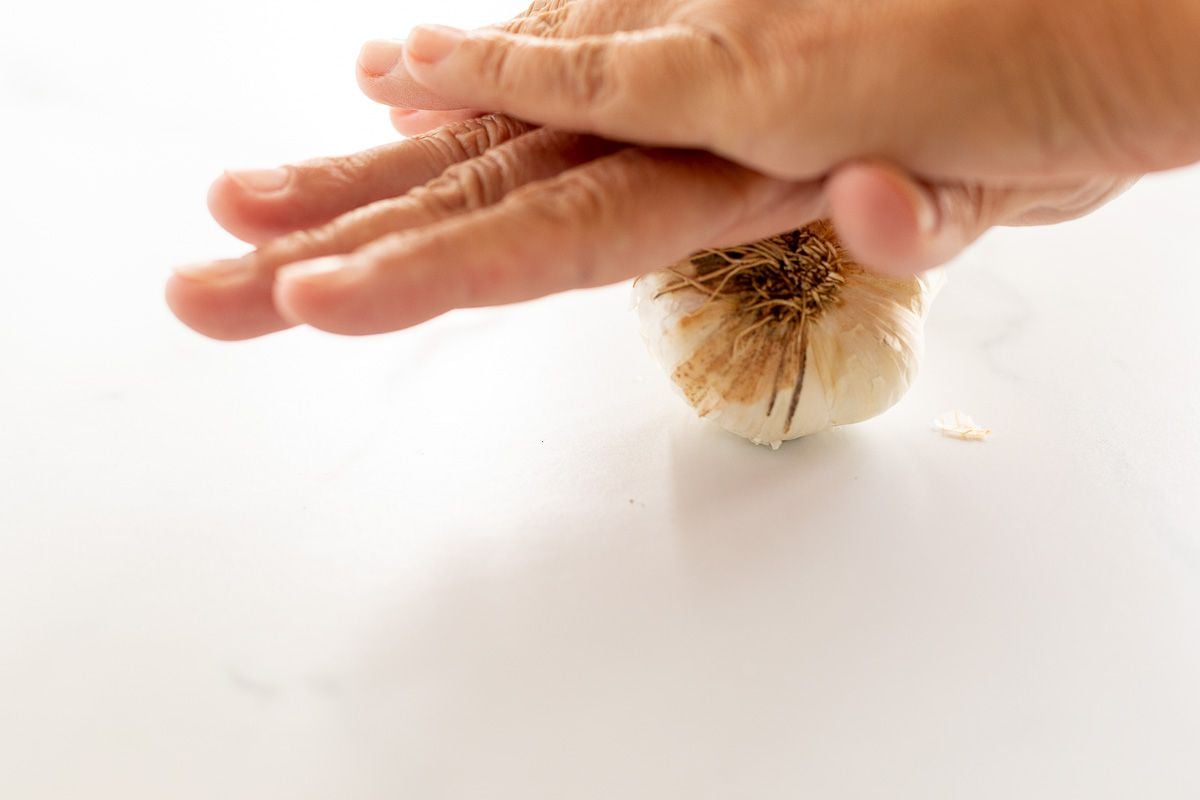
column 584, row 78
column 495, row 129
column 462, row 141
column 544, row 18
column 777, row 85
column 446, row 146
column 590, row 78
column 548, row 6
column 494, row 64
column 472, row 184
column 336, row 172
column 442, row 197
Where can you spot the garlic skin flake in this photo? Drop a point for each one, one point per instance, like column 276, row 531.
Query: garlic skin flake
column 787, row 336
column 957, row 425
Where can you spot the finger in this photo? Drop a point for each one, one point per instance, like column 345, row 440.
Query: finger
column 383, row 77
column 897, row 225
column 890, row 223
column 231, row 299
column 415, row 121
column 636, row 86
column 377, row 60
column 258, row 205
column 384, row 58
column 610, row 219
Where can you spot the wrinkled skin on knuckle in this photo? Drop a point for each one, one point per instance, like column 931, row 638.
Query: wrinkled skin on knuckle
column 733, row 35
column 462, row 141
column 585, row 81
column 470, row 185
column 487, row 179
column 484, row 133
column 546, row 7
column 545, row 18
column 441, row 147
column 335, row 172
column 767, row 58
column 588, row 83
column 591, row 76
column 555, row 19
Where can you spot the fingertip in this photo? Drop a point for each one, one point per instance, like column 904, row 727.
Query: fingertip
column 189, row 309
column 224, row 308
column 885, row 219
column 408, row 121
column 393, row 83
column 243, row 211
column 378, row 57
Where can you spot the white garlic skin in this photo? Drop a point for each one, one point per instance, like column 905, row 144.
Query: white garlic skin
column 863, row 353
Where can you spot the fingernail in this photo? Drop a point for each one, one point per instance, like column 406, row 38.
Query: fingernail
column 224, row 271
column 317, row 268
column 262, row 181
column 430, row 44
column 380, row 56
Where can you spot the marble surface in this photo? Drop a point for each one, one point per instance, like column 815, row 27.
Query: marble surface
column 495, row 556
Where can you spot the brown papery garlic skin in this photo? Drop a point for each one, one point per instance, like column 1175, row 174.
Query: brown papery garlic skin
column 786, row 336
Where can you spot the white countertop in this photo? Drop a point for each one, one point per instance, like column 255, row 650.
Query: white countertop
column 495, row 556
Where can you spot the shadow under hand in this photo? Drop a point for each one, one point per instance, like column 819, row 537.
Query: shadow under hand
column 696, row 659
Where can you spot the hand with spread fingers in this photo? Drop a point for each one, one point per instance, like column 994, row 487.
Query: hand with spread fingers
column 654, row 128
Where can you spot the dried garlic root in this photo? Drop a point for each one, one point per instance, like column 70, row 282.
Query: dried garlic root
column 786, row 336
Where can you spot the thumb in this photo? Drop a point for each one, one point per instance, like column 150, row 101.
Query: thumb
column 897, row 225
column 636, row 86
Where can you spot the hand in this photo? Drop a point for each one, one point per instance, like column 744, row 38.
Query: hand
column 948, row 89
column 489, row 211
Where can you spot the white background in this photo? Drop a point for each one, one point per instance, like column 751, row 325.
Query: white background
column 495, row 556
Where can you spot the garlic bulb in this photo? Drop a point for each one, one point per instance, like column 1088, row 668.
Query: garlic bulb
column 786, row 336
